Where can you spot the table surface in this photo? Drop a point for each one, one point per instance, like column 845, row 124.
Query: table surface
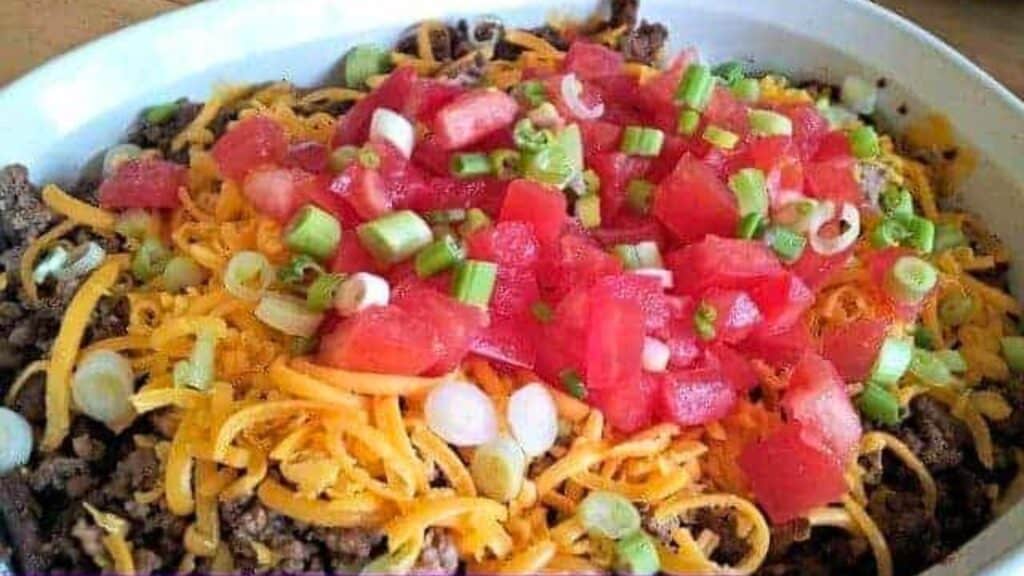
column 990, row 32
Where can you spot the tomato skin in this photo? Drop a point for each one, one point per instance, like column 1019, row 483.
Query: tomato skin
column 508, row 244
column 576, row 262
column 589, row 60
column 734, row 367
column 693, row 203
column 816, row 270
column 511, row 341
column 515, row 290
column 472, row 117
column 144, row 183
column 351, row 257
column 562, row 337
column 722, row 263
column 628, row 408
column 428, row 96
column 833, row 180
column 615, row 340
column 736, row 314
column 809, row 127
column 381, row 339
column 455, row 325
column 834, row 145
column 275, row 191
column 726, row 111
column 599, row 138
column 629, row 228
column 488, row 194
column 790, row 475
column 353, row 128
column 780, row 350
column 615, row 170
column 253, row 142
column 309, row 156
column 693, row 397
column 782, row 300
column 541, row 206
column 853, row 348
column 646, row 291
column 816, row 397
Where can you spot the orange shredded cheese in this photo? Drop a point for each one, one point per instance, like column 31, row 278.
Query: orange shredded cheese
column 366, row 382
column 354, row 511
column 82, row 213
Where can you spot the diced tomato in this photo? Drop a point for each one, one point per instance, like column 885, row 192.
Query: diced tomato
column 734, row 367
column 693, row 397
column 853, row 348
column 363, row 189
column 672, row 150
column 564, row 336
column 789, row 475
column 508, row 244
column 488, row 194
column 353, row 128
column 455, row 325
column 589, row 60
column 693, row 203
column 383, row 339
column 809, row 127
column 879, row 264
column 318, row 191
column 657, row 95
column 726, row 111
column 429, row 155
column 779, row 350
column 599, row 137
column 782, row 300
column 816, row 270
column 352, row 257
column 629, row 228
column 275, row 191
column 576, row 262
column 430, row 95
column 254, row 142
column 645, row 291
column 778, row 158
column 541, row 206
column 736, row 314
column 833, row 180
column 515, row 290
column 682, row 342
column 512, row 341
column 627, row 408
column 473, row 116
column 309, row 156
column 615, row 170
column 615, row 340
column 834, row 146
column 144, row 183
column 816, row 397
column 722, row 263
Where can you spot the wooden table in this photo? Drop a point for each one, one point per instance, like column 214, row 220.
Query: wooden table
column 990, row 32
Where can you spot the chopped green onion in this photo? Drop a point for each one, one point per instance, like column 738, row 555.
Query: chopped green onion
column 248, row 274
column 948, row 236
column 730, row 72
column 637, row 555
column 929, row 368
column 542, row 312
column 368, row 158
column 320, row 295
column 474, row 282
column 639, row 194
column 198, row 371
column 1013, row 352
column 750, row 225
column 102, row 388
column 911, row 279
column 588, row 210
column 395, row 237
column 361, row 291
column 688, row 122
column 627, row 255
column 161, row 112
column 695, row 87
column 893, row 359
column 608, row 515
column 342, row 157
column 787, row 244
column 920, row 234
column 923, row 338
column 573, row 383
column 704, row 321
column 889, row 232
column 498, row 468
column 642, row 141
column 953, row 360
column 533, row 92
column 720, row 137
column 550, row 165
column 149, row 260
column 591, row 182
column 313, row 231
column 137, row 224
column 363, row 62
column 82, row 259
column 476, row 219
column 864, row 142
column 182, row 272
column 439, row 256
column 769, row 123
column 505, row 163
column 471, row 165
column 448, row 216
column 649, row 254
column 51, row 265
column 955, row 309
column 545, row 116
column 570, row 139
column 751, row 191
column 15, row 441
column 896, row 202
column 747, row 90
column 299, row 269
column 288, row 315
column 529, row 139
column 879, row 405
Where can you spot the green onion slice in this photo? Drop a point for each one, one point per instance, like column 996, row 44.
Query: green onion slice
column 689, row 121
column 720, row 137
column 787, row 244
column 864, row 142
column 920, row 234
column 695, row 87
column 471, row 165
column 750, row 225
column 893, row 360
column 313, row 231
column 476, row 219
column 288, row 315
column 322, row 291
column 930, row 368
column 768, row 123
column 102, row 388
column 608, row 515
column 533, row 92
column 161, row 112
column 588, row 210
column 730, row 72
column 889, row 232
column 505, row 163
column 637, row 555
column 911, row 279
column 550, row 165
column 573, row 383
column 948, row 236
column 879, row 405
column 363, row 62
column 642, row 141
column 299, row 269
column 248, row 274
column 199, row 370
column 747, row 90
column 751, row 191
column 896, row 202
column 474, row 282
column 953, row 360
column 639, row 194
column 498, row 468
column 182, row 272
column 529, row 139
column 439, row 256
column 704, row 321
column 149, row 260
column 395, row 237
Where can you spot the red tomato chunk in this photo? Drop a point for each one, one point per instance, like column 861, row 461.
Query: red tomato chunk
column 472, row 117
column 144, row 183
column 252, row 143
column 387, row 340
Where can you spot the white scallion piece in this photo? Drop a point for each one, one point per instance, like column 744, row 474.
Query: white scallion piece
column 461, row 414
column 15, row 440
column 389, row 126
column 102, row 388
column 656, row 355
column 533, row 418
column 360, row 291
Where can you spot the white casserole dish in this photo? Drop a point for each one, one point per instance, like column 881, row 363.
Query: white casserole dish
column 65, row 112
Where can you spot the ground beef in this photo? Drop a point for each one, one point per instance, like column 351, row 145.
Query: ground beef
column 1010, row 430
column 939, row 440
column 31, row 402
column 20, row 515
column 644, row 44
column 64, row 475
column 828, row 552
column 22, row 212
column 731, row 547
column 964, row 505
column 911, row 532
column 785, row 535
column 90, row 538
column 87, row 448
column 148, row 134
column 623, row 13
column 439, row 555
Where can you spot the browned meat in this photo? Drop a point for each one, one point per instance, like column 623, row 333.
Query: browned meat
column 439, row 555
column 623, row 13
column 148, row 134
column 938, row 439
column 22, row 212
column 828, row 552
column 644, row 44
column 731, row 548
column 64, row 475
column 912, row 534
column 20, row 515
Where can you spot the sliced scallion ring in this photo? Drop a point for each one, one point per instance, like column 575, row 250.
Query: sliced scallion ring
column 288, row 314
column 15, row 441
column 498, row 468
column 849, row 218
column 102, row 388
column 608, row 515
column 911, row 279
column 637, row 555
column 893, row 359
column 248, row 274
